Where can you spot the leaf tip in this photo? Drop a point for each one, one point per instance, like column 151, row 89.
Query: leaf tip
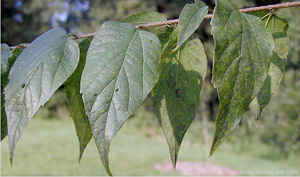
column 11, row 154
column 81, row 150
column 211, row 152
column 214, row 147
column 107, row 168
column 104, row 151
column 11, row 161
column 79, row 158
column 174, row 160
column 108, row 171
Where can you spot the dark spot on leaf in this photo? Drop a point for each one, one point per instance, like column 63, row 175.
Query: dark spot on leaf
column 171, row 84
column 117, row 89
column 95, row 94
column 151, row 41
column 178, row 93
column 23, row 85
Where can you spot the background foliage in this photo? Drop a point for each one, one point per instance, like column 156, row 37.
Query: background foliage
column 278, row 132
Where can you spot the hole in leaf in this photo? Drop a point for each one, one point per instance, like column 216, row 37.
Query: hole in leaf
column 117, row 89
column 23, row 85
column 151, row 41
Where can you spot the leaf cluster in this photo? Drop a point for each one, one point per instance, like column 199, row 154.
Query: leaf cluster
column 107, row 77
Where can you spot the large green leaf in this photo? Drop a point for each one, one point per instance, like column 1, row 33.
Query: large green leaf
column 75, row 102
column 147, row 17
column 278, row 27
column 176, row 95
column 189, row 20
column 36, row 74
column 121, row 69
column 7, row 60
column 243, row 50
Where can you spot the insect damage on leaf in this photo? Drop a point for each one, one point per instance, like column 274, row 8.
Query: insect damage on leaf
column 122, row 64
column 242, row 56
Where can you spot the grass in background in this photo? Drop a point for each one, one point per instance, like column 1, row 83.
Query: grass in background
column 50, row 147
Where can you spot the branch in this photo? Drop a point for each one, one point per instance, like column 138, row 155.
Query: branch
column 175, row 21
column 251, row 9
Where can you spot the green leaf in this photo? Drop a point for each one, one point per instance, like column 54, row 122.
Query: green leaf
column 7, row 60
column 121, row 69
column 75, row 102
column 176, row 95
column 189, row 20
column 36, row 74
column 147, row 17
column 5, row 52
column 278, row 27
column 164, row 37
column 243, row 51
column 168, row 45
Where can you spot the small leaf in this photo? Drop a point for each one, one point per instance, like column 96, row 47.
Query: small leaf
column 7, row 60
column 176, row 95
column 121, row 69
column 189, row 20
column 164, row 37
column 147, row 17
column 243, row 51
column 278, row 27
column 75, row 102
column 170, row 44
column 5, row 52
column 36, row 74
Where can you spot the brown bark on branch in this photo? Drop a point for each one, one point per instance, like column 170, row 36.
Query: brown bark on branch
column 175, row 21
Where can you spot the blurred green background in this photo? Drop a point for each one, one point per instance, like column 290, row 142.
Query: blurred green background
column 49, row 145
